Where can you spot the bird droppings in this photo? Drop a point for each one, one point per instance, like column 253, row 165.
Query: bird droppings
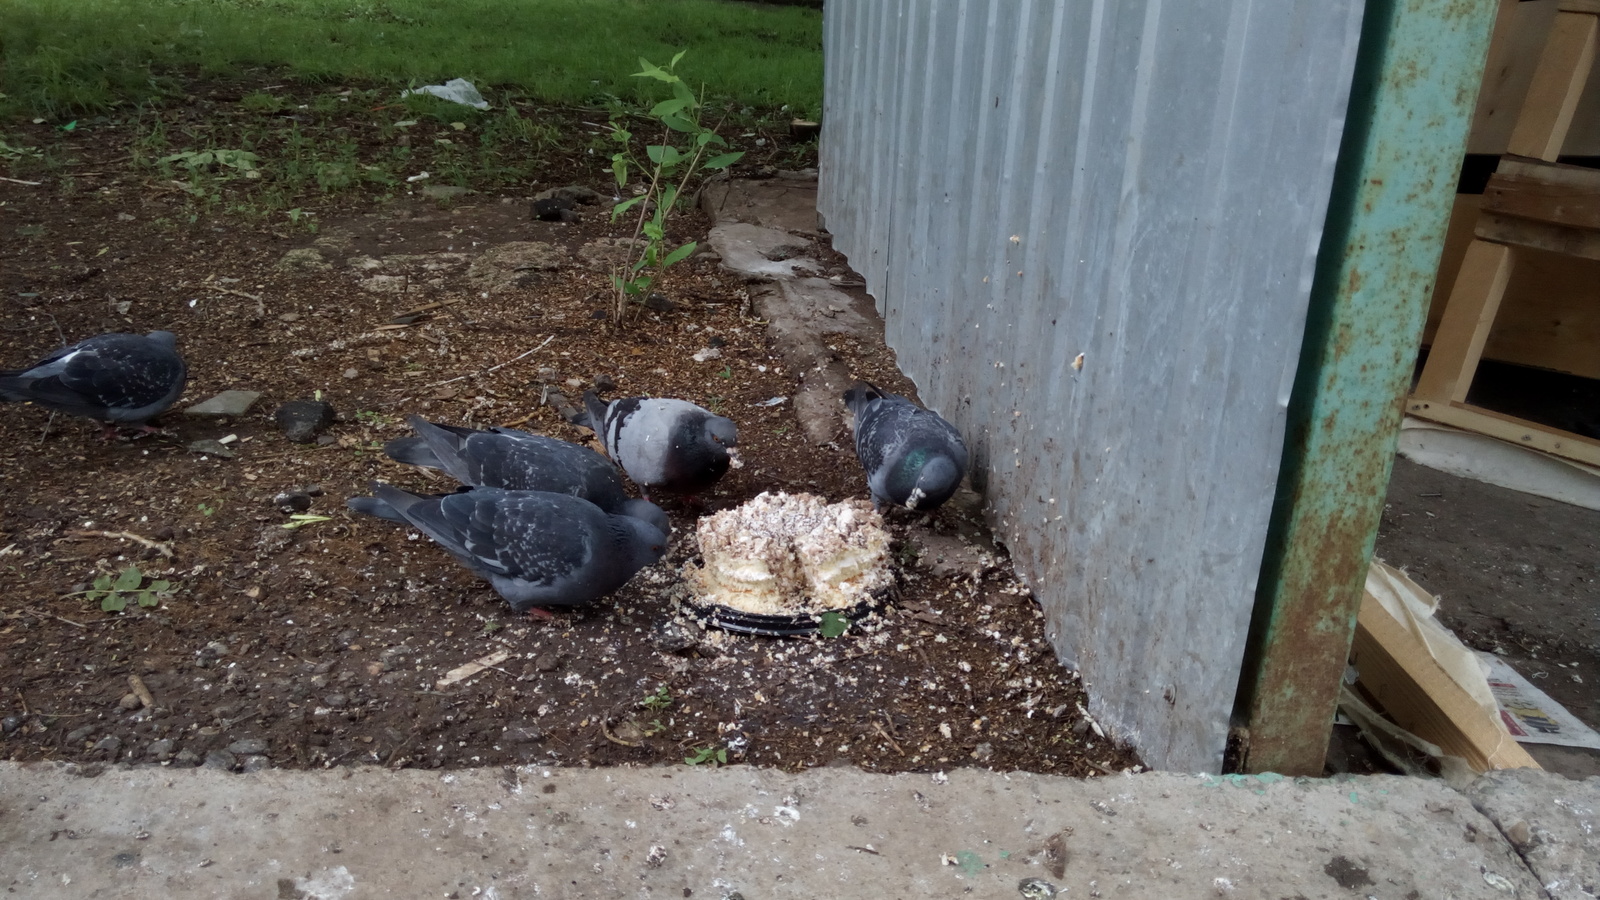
column 338, row 631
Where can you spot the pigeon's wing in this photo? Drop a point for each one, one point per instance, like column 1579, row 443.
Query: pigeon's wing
column 616, row 420
column 109, row 372
column 533, row 537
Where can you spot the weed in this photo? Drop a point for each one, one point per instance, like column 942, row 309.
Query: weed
column 671, row 167
column 715, row 756
column 207, row 509
column 714, row 403
column 656, row 702
column 261, row 103
column 727, row 372
column 373, row 417
column 114, row 592
column 832, row 624
column 15, row 152
column 241, row 161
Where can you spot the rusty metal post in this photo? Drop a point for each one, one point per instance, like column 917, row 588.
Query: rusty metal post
column 1416, row 81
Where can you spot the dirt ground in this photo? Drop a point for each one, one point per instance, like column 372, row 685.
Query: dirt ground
column 326, row 644
column 1518, row 576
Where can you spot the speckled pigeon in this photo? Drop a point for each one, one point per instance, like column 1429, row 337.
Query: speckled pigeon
column 913, row 457
column 673, row 445
column 119, row 379
column 519, row 461
column 536, row 548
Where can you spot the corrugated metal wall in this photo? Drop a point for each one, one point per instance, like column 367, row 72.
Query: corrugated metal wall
column 1141, row 183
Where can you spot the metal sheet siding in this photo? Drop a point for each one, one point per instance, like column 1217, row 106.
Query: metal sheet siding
column 1143, row 183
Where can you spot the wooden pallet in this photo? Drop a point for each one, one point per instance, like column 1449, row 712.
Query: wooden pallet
column 1531, row 202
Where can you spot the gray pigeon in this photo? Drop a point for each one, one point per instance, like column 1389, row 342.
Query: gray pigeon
column 519, row 461
column 119, row 379
column 536, row 548
column 913, row 457
column 673, row 445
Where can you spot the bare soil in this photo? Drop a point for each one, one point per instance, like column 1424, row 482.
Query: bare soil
column 327, row 644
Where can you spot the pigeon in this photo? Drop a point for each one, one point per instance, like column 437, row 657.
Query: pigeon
column 673, row 445
column 913, row 457
column 119, row 379
column 519, row 461
column 536, row 548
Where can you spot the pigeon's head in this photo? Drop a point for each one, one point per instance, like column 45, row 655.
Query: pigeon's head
column 721, row 431
column 649, row 543
column 649, row 513
column 934, row 478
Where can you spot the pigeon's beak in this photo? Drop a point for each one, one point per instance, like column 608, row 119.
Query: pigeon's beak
column 734, row 462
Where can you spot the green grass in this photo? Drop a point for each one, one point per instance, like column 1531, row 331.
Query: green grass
column 63, row 57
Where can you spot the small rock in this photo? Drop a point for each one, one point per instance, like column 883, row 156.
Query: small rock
column 547, row 661
column 1036, row 889
column 443, row 192
column 572, row 195
column 716, row 343
column 289, row 317
column 336, row 701
column 707, row 353
column 130, row 702
column 305, row 259
column 302, row 420
column 220, row 759
column 675, row 637
column 352, row 373
column 79, row 735
column 214, row 649
column 604, row 383
column 210, row 447
column 659, row 303
column 272, row 540
column 292, row 501
column 983, row 751
column 110, row 744
column 187, row 758
column 227, row 403
column 254, row 764
column 318, row 682
column 550, row 209
column 125, row 217
column 248, row 747
column 161, row 750
column 10, row 724
column 523, row 734
column 312, row 490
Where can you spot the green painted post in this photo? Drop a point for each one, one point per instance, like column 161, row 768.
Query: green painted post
column 1411, row 101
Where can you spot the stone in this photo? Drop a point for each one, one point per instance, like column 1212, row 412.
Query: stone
column 254, row 764
column 110, row 744
column 302, row 420
column 130, row 702
column 603, row 382
column 571, row 195
column 675, row 637
column 443, row 192
column 514, row 265
column 551, row 209
column 210, row 447
column 220, row 759
column 227, row 403
column 10, row 724
column 79, row 735
column 292, row 501
column 659, row 303
column 305, row 260
column 160, row 750
column 607, row 253
column 248, row 747
column 336, row 701
column 187, row 758
column 523, row 734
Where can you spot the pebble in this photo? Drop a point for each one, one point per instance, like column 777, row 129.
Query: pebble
column 319, row 682
column 10, row 724
column 130, row 702
column 220, row 759
column 659, row 303
column 335, row 701
column 78, row 735
column 675, row 637
column 254, row 764
column 209, row 447
column 292, row 501
column 572, row 194
column 547, row 661
column 604, row 382
column 227, row 403
column 214, row 649
column 187, row 758
column 110, row 744
column 302, row 420
column 523, row 734
column 160, row 750
column 248, row 747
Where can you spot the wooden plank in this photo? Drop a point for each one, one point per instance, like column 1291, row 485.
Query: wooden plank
column 1398, row 671
column 1509, row 428
column 1550, row 316
column 1468, row 316
column 1592, row 7
column 1549, row 193
column 1538, row 235
column 1557, row 83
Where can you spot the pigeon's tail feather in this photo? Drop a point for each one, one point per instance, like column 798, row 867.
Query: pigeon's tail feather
column 597, row 413
column 446, row 444
column 413, row 451
column 372, row 506
column 859, row 395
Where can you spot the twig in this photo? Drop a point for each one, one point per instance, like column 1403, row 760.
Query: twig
column 142, row 691
column 20, row 615
column 261, row 306
column 605, row 731
column 24, row 701
column 163, row 549
column 892, row 742
column 20, row 181
column 862, row 849
column 494, row 368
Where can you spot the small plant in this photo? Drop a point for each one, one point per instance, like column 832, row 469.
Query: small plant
column 373, row 417
column 715, row 756
column 208, row 509
column 727, row 372
column 671, row 165
column 301, row 520
column 832, row 624
column 14, row 152
column 657, row 701
column 114, row 592
column 211, row 160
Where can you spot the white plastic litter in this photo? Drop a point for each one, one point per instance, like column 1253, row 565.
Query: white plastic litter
column 456, row 90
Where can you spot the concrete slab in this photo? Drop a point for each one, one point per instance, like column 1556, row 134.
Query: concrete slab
column 787, row 203
column 1552, row 822
column 758, row 834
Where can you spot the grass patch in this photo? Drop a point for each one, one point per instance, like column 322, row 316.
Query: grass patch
column 62, row 57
